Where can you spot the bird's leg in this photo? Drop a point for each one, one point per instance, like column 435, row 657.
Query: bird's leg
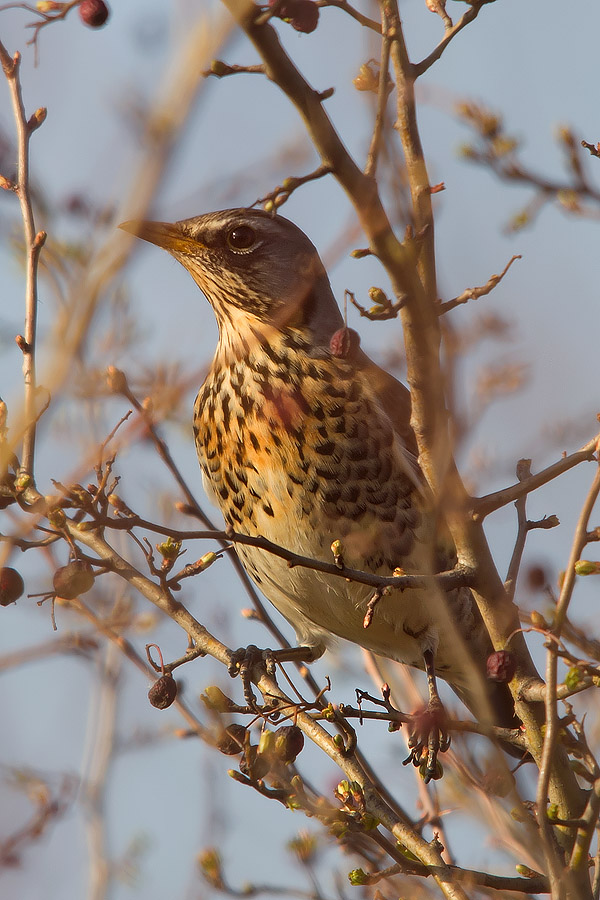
column 246, row 659
column 429, row 728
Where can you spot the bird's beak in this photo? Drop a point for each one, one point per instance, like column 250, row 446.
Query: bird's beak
column 164, row 234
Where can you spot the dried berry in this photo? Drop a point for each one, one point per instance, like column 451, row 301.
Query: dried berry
column 231, row 741
column 76, row 578
column 289, row 742
column 344, row 343
column 501, row 666
column 254, row 765
column 303, row 15
column 163, row 692
column 93, row 13
column 11, row 586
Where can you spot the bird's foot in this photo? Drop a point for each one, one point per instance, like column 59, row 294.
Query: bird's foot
column 246, row 659
column 243, row 662
column 428, row 737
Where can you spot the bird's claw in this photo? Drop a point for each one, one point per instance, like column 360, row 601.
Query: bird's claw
column 242, row 663
column 428, row 737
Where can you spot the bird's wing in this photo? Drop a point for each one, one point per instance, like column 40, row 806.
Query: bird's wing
column 395, row 400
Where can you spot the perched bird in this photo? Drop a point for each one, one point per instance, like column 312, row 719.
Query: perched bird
column 303, row 440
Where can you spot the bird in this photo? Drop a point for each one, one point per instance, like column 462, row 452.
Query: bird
column 304, row 441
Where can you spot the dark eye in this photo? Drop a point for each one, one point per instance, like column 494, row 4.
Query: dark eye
column 241, row 238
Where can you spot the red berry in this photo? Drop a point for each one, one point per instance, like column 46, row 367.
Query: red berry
column 303, row 15
column 76, row 578
column 501, row 666
column 344, row 343
column 11, row 586
column 93, row 13
column 163, row 692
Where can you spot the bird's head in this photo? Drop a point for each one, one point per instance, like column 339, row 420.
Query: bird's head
column 254, row 268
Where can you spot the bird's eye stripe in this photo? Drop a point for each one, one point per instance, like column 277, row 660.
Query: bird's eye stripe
column 241, row 238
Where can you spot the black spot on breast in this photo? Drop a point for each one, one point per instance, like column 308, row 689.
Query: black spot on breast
column 268, row 509
column 225, row 411
column 232, row 484
column 327, row 448
column 253, row 440
column 247, row 402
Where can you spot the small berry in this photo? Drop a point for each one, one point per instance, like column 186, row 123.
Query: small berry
column 344, row 343
column 163, row 692
column 76, row 578
column 93, row 13
column 231, row 741
column 11, row 586
column 254, row 765
column 501, row 666
column 303, row 15
column 289, row 742
column 536, row 578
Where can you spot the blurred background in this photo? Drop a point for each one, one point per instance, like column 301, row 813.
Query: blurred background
column 132, row 129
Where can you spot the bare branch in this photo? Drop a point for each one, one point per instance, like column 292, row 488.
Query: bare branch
column 34, row 241
column 476, row 292
column 483, row 506
column 451, row 32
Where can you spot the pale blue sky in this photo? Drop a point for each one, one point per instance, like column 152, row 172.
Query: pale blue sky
column 538, row 70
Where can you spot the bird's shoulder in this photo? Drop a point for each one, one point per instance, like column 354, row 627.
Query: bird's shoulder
column 393, row 397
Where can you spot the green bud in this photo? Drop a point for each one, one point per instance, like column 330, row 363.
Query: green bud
column 573, row 678
column 214, row 698
column 587, row 567
column 169, row 549
column 378, row 296
column 358, row 877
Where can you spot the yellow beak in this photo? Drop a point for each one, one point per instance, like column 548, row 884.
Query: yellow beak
column 167, row 235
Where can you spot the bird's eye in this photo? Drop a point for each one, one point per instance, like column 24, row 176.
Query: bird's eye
column 241, row 238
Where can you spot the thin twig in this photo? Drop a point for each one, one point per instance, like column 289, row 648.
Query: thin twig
column 459, row 577
column 383, row 92
column 451, row 33
column 34, row 241
column 551, row 734
column 476, row 292
column 483, row 506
